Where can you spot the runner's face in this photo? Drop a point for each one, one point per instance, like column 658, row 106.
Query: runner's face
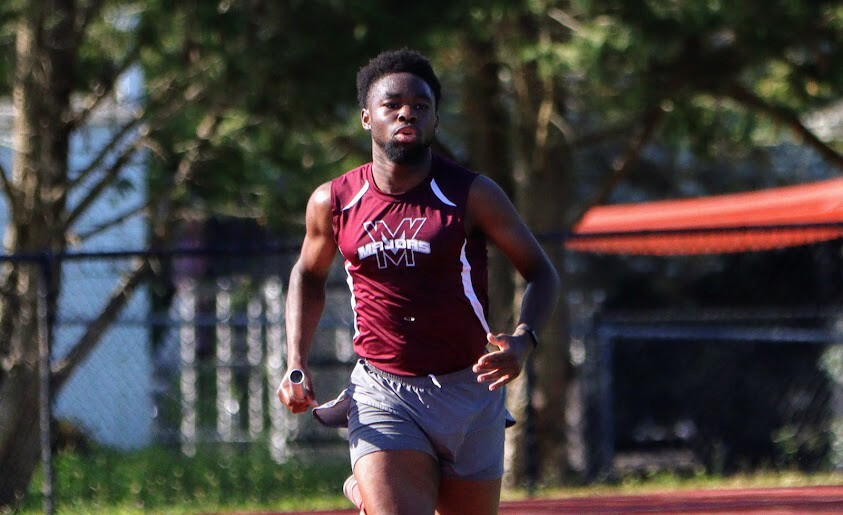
column 401, row 114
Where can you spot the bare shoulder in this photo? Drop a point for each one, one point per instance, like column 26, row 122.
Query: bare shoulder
column 321, row 196
column 484, row 188
column 488, row 206
column 495, row 216
column 318, row 215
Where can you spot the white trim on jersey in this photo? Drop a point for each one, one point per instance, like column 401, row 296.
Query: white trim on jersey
column 439, row 194
column 350, row 283
column 468, row 288
column 358, row 196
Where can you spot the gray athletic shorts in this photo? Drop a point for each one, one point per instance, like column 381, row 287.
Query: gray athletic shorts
column 451, row 417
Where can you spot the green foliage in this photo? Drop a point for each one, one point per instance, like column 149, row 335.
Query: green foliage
column 279, row 78
column 646, row 53
column 275, row 80
column 159, row 480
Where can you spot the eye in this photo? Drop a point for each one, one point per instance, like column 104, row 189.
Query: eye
column 391, row 105
column 422, row 107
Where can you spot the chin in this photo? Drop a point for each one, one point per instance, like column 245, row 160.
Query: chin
column 406, row 155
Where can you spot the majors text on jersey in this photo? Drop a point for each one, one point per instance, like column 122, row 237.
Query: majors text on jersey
column 396, row 245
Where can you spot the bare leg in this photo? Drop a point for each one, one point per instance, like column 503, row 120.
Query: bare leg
column 398, row 482
column 465, row 497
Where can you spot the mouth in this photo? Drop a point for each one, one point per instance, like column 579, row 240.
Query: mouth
column 406, row 133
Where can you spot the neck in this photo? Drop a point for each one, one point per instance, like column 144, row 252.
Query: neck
column 394, row 178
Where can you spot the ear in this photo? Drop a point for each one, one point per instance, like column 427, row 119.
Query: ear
column 366, row 119
column 436, row 123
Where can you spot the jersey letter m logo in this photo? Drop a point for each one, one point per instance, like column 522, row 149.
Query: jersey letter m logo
column 394, row 245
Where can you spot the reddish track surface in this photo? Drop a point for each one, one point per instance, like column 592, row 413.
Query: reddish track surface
column 820, row 499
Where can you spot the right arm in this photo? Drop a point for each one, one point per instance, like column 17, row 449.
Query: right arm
column 306, row 295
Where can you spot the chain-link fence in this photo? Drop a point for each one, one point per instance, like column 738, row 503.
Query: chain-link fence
column 196, row 352
column 180, row 349
column 717, row 363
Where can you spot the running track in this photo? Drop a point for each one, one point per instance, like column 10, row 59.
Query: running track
column 817, row 499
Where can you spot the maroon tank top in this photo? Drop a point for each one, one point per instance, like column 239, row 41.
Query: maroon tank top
column 418, row 281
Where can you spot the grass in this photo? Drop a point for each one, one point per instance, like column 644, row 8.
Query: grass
column 159, row 480
column 231, row 480
column 670, row 482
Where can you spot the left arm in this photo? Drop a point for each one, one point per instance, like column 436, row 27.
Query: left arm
column 491, row 212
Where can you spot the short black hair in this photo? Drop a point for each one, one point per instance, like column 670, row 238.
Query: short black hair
column 396, row 61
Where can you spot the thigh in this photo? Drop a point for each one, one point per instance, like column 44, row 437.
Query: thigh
column 479, row 455
column 398, row 482
column 372, row 429
column 468, row 497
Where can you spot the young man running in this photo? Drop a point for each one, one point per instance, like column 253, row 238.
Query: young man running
column 425, row 408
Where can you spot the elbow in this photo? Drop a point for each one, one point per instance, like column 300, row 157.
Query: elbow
column 306, row 278
column 547, row 278
column 550, row 278
column 555, row 280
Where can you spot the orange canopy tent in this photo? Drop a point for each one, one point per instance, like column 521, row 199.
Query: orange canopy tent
column 760, row 220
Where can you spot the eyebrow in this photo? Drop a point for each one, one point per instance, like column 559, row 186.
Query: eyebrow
column 390, row 95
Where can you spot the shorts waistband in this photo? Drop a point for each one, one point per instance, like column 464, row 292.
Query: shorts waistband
column 459, row 377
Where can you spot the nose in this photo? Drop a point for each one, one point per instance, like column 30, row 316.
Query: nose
column 406, row 113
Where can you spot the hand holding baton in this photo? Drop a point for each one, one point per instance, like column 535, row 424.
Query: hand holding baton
column 296, row 377
column 294, row 393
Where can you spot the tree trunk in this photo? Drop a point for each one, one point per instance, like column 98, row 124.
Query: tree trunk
column 542, row 209
column 489, row 153
column 535, row 174
column 19, row 419
column 44, row 73
column 542, row 171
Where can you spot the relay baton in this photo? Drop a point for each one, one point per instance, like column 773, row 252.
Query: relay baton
column 297, row 382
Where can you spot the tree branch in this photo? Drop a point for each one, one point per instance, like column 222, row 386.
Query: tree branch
column 567, row 21
column 652, row 119
column 162, row 98
column 120, row 296
column 113, row 171
column 543, row 120
column 94, row 165
column 165, row 98
column 204, row 132
column 9, row 190
column 105, row 88
column 785, row 117
column 108, row 178
column 108, row 224
column 594, row 138
column 160, row 217
column 142, row 267
column 84, row 17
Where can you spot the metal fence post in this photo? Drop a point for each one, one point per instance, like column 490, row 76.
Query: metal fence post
column 606, row 447
column 532, row 461
column 45, row 333
column 279, row 422
column 188, row 290
column 599, row 400
column 225, row 403
column 255, row 357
